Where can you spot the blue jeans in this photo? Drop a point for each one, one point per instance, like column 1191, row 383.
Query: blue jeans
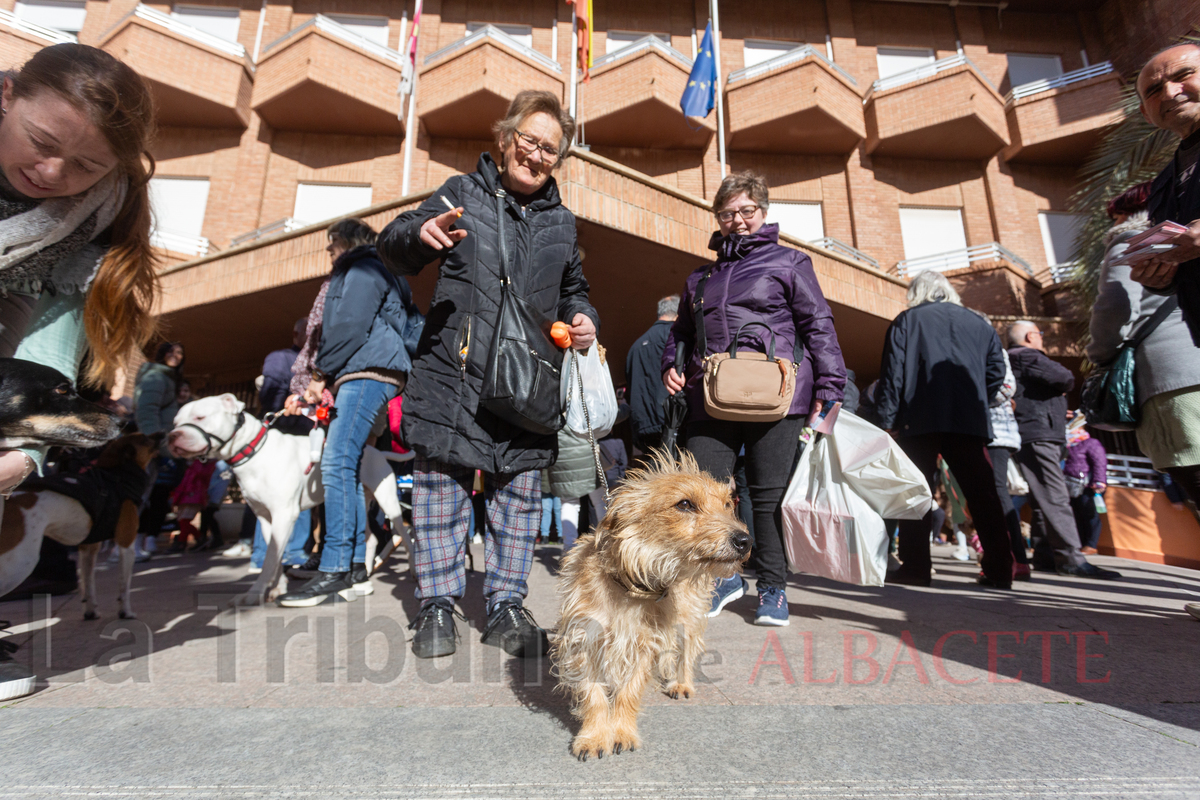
column 358, row 405
column 293, row 553
column 551, row 508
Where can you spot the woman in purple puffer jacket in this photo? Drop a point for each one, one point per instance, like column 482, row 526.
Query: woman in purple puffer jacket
column 755, row 279
column 1086, row 470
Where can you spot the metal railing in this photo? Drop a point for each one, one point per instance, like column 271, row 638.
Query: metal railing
column 1062, row 272
column 285, row 225
column 790, row 57
column 1066, row 79
column 925, row 71
column 961, row 259
column 1133, row 472
column 49, row 34
column 647, row 42
column 180, row 242
column 497, row 35
column 336, row 29
column 183, row 29
column 841, row 248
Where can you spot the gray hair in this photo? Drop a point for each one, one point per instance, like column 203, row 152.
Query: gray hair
column 1017, row 332
column 931, row 287
column 669, row 306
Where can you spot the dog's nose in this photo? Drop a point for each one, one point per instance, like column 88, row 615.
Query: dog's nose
column 741, row 542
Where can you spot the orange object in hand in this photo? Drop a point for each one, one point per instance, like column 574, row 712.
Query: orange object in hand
column 560, row 334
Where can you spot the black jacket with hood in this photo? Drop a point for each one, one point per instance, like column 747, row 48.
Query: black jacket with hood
column 1041, row 397
column 442, row 416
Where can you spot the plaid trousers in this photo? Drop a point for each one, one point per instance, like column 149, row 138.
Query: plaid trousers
column 441, row 500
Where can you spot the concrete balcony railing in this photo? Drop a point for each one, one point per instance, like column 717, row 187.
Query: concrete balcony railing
column 285, row 225
column 1060, row 120
column 467, row 85
column 199, row 80
column 1061, row 273
column 944, row 110
column 180, row 243
column 322, row 77
column 797, row 102
column 961, row 259
column 1133, row 472
column 19, row 40
column 843, row 249
column 633, row 99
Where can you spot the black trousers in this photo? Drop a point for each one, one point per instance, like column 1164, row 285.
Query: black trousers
column 770, row 458
column 1012, row 519
column 967, row 457
column 1188, row 479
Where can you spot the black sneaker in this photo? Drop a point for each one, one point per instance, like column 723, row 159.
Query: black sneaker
column 15, row 679
column 1089, row 570
column 309, row 569
column 511, row 626
column 324, row 586
column 436, row 634
column 360, row 580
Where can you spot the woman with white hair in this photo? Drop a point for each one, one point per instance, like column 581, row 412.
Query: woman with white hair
column 942, row 364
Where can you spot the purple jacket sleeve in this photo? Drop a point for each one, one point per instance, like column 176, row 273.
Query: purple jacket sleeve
column 814, row 327
column 1097, row 459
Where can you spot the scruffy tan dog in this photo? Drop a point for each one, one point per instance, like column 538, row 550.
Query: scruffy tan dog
column 635, row 594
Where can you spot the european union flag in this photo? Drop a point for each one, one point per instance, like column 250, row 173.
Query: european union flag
column 699, row 96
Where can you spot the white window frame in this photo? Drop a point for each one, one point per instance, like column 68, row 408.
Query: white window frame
column 371, row 27
column 804, row 219
column 1037, row 75
column 523, row 34
column 615, row 41
column 756, row 51
column 59, row 12
column 1059, row 252
column 920, row 243
column 915, row 57
column 339, row 207
column 195, row 16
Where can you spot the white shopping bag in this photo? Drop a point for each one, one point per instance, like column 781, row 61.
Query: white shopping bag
column 1017, row 485
column 878, row 471
column 589, row 369
column 828, row 530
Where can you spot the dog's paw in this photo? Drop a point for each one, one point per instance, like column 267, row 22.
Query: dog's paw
column 88, row 616
column 247, row 599
column 126, row 615
column 678, row 691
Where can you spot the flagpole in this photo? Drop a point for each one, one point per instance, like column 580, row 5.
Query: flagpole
column 574, row 58
column 410, row 133
column 718, row 93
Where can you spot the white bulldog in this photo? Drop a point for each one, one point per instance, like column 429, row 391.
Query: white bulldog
column 270, row 469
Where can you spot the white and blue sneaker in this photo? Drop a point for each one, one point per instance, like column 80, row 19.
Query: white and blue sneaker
column 726, row 591
column 772, row 607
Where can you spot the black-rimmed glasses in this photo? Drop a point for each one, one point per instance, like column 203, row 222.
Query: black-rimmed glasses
column 528, row 144
column 747, row 213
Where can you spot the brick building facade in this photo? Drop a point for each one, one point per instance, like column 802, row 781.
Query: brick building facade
column 896, row 136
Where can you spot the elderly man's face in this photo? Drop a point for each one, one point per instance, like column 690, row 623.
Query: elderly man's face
column 1170, row 90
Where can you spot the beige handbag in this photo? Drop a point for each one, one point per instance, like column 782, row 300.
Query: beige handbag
column 748, row 387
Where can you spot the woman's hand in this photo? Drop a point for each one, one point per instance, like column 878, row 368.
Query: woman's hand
column 436, row 233
column 15, row 466
column 291, row 406
column 312, row 395
column 814, row 416
column 673, row 381
column 583, row 332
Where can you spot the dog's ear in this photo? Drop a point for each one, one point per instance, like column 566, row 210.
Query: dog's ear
column 157, row 438
column 231, row 404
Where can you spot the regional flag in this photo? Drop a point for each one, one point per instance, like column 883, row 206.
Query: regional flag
column 700, row 95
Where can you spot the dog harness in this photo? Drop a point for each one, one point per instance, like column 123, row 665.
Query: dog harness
column 215, row 443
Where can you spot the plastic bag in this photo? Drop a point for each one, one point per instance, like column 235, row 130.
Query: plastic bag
column 589, row 368
column 828, row 530
column 1017, row 485
column 876, row 468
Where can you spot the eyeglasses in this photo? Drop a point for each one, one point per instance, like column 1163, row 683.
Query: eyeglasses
column 747, row 213
column 528, row 144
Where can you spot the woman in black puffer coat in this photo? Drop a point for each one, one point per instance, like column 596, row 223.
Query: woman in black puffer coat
column 444, row 420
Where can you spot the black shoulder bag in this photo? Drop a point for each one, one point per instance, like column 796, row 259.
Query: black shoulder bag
column 522, row 380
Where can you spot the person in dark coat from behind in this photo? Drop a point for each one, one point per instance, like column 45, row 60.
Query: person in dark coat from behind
column 941, row 365
column 643, row 372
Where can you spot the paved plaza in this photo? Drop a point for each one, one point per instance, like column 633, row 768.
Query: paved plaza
column 1063, row 688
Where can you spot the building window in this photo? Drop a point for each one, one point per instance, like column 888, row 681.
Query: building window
column 178, row 206
column 802, row 220
column 756, row 51
column 60, row 15
column 894, row 60
column 619, row 40
column 316, row 202
column 522, row 33
column 933, row 231
column 216, row 20
column 1059, row 231
column 1024, row 68
column 374, row 29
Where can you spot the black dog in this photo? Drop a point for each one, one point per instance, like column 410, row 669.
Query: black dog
column 40, row 408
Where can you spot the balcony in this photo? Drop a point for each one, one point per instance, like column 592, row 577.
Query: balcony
column 844, row 250
column 324, row 78
column 1060, row 120
column 20, row 40
column 962, row 259
column 285, row 225
column 198, row 80
column 946, row 110
column 180, row 243
column 797, row 102
column 467, row 85
column 633, row 99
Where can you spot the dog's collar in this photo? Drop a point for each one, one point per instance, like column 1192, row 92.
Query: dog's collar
column 639, row 590
column 247, row 452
